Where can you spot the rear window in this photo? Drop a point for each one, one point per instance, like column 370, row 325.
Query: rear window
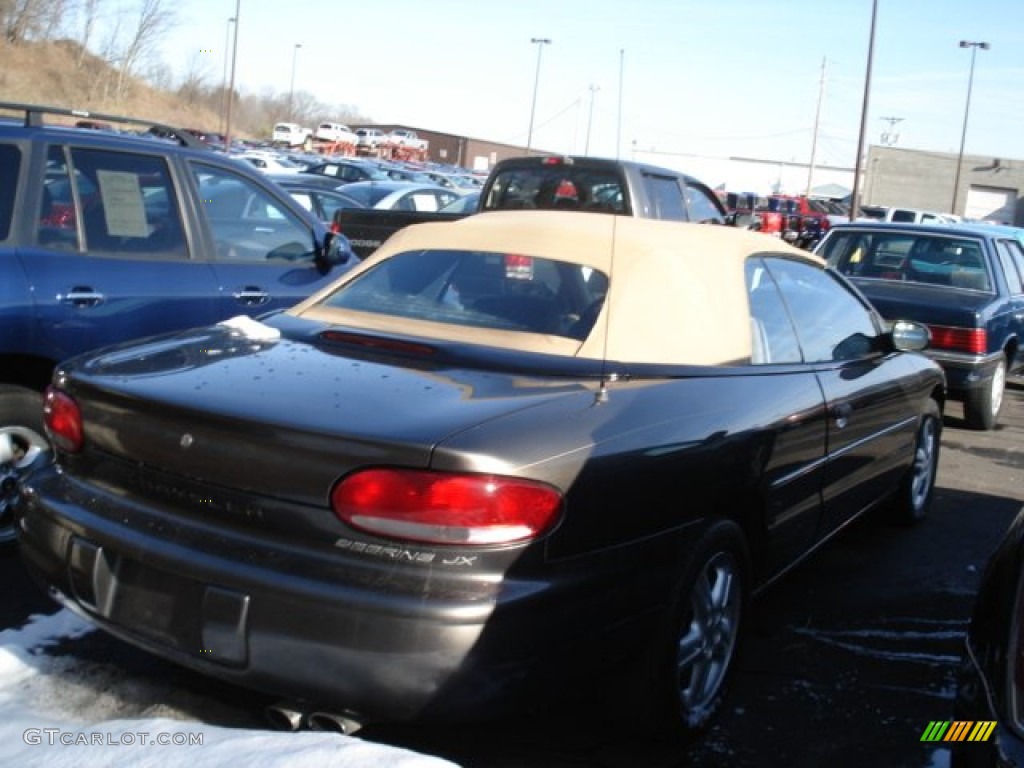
column 10, row 162
column 956, row 262
column 493, row 290
column 557, row 187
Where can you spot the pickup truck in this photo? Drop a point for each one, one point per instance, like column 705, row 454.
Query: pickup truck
column 595, row 185
column 401, row 137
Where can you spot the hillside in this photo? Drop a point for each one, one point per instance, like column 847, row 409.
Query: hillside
column 60, row 74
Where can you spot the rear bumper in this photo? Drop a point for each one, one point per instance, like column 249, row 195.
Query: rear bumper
column 965, row 372
column 386, row 641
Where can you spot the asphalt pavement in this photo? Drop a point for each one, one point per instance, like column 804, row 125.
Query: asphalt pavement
column 847, row 659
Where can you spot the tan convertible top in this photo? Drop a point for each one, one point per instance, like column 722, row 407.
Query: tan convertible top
column 676, row 295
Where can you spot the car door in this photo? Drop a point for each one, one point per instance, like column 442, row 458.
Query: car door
column 791, row 401
column 261, row 250
column 112, row 258
column 870, row 418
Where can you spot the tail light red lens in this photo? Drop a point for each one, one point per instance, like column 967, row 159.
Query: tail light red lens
column 446, row 508
column 971, row 340
column 63, row 420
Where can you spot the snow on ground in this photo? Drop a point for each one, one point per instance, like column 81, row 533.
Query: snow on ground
column 54, row 714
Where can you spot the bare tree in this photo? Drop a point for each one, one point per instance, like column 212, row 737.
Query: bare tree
column 194, row 84
column 154, row 19
column 53, row 18
column 89, row 12
column 24, row 20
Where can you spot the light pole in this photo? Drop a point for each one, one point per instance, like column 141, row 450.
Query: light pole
column 231, row 85
column 291, row 90
column 855, row 194
column 974, row 46
column 224, row 80
column 540, row 42
column 590, row 120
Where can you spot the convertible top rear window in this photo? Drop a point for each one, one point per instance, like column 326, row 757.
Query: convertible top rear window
column 493, row 290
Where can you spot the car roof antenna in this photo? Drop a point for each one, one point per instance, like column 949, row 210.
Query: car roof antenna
column 601, row 396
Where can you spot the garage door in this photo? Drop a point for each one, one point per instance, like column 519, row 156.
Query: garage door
column 991, row 204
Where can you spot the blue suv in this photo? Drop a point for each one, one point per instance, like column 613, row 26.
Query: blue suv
column 108, row 236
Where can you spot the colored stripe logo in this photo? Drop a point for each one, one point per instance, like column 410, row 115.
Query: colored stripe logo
column 958, row 730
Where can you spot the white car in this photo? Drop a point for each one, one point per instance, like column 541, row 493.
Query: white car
column 290, row 134
column 336, row 132
column 268, row 162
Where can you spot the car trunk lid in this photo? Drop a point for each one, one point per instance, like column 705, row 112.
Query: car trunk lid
column 281, row 420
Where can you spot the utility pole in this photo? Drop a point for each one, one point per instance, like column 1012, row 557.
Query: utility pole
column 291, row 90
column 817, row 121
column 889, row 138
column 855, row 194
column 540, row 42
column 231, row 85
column 590, row 121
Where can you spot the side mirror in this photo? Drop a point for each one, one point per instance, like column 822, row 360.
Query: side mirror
column 908, row 336
column 334, row 251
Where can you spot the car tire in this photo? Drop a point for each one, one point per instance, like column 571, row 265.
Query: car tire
column 982, row 406
column 23, row 446
column 695, row 657
column 914, row 497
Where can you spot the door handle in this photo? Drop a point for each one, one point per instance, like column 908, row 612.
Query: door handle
column 81, row 296
column 841, row 412
column 252, row 295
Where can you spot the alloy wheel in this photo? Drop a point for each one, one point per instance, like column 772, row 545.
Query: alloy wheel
column 20, row 447
column 708, row 641
column 925, row 455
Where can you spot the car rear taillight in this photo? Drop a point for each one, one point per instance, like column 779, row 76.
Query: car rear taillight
column 446, row 508
column 63, row 420
column 971, row 340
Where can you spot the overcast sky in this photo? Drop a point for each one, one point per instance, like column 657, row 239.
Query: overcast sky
column 706, row 77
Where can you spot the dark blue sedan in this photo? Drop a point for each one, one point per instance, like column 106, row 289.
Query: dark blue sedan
column 966, row 282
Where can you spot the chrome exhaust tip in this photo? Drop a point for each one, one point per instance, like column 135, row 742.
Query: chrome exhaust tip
column 336, row 722
column 285, row 715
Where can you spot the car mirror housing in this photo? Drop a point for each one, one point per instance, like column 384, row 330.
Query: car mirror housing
column 332, row 251
column 908, row 336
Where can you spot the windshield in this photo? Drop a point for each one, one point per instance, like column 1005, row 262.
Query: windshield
column 493, row 290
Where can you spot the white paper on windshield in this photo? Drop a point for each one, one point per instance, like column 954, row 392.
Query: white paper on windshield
column 122, row 204
column 424, row 202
